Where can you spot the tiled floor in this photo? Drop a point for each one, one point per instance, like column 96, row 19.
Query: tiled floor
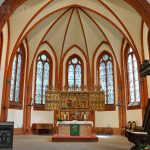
column 34, row 142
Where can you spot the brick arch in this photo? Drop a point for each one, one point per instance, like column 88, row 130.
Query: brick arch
column 44, row 52
column 27, row 118
column 31, row 75
column 100, row 56
column 56, row 60
column 5, row 102
column 37, row 53
column 108, row 107
column 118, row 84
column 50, row 62
column 67, row 65
column 142, row 83
column 96, row 52
column 61, row 66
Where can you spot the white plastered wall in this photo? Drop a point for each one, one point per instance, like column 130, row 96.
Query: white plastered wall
column 74, row 50
column 15, row 116
column 107, row 118
column 43, row 116
column 134, row 115
column 2, row 67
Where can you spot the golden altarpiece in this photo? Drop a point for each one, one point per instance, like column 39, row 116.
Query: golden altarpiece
column 75, row 104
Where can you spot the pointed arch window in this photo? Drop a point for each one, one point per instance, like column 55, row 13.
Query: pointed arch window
column 17, row 78
column 74, row 72
column 106, row 77
column 133, row 77
column 43, row 77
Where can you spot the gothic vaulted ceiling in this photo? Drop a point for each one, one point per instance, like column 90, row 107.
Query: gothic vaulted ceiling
column 85, row 23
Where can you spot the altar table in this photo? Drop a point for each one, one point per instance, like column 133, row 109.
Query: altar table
column 75, row 128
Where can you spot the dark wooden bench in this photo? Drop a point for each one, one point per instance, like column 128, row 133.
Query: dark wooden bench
column 42, row 128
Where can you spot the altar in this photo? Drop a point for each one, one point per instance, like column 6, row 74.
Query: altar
column 74, row 113
column 75, row 128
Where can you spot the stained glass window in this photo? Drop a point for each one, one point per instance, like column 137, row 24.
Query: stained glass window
column 42, row 78
column 133, row 77
column 74, row 73
column 15, row 77
column 106, row 77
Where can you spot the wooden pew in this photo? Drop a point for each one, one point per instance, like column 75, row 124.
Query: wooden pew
column 42, row 128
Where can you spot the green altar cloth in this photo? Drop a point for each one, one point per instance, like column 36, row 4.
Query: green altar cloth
column 75, row 130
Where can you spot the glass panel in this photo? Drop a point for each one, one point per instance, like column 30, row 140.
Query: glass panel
column 130, row 64
column 106, row 78
column 132, row 98
column 131, row 86
column 129, row 59
column 38, row 96
column 18, row 76
column 110, row 99
column 133, row 77
column 130, row 50
column 102, row 69
column 39, row 76
column 102, row 78
column 45, row 80
column 110, row 90
column 43, row 57
column 71, row 76
column 78, row 76
column 130, row 69
column 134, row 58
column 110, row 83
column 109, row 67
column 102, row 75
column 135, row 65
column 137, row 96
column 136, row 75
column 74, row 60
column 12, row 86
column 105, row 57
column 109, row 74
column 137, row 85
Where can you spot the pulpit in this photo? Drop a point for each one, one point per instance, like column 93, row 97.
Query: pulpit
column 6, row 135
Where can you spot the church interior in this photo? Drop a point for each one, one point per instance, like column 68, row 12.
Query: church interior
column 72, row 69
